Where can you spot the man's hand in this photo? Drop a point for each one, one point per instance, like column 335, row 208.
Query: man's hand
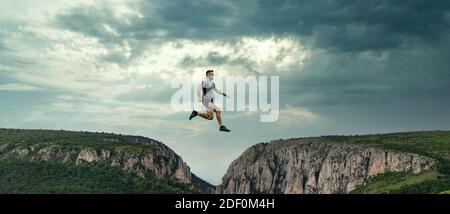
column 226, row 95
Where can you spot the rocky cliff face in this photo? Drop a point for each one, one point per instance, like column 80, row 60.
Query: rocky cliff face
column 313, row 167
column 152, row 159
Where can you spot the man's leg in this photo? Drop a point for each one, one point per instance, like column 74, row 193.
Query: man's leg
column 219, row 117
column 214, row 108
column 208, row 115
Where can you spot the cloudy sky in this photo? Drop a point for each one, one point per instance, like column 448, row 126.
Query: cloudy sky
column 345, row 67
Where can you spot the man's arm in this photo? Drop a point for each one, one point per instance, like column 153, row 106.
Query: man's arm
column 220, row 92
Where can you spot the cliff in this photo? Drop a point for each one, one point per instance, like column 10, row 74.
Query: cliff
column 50, row 161
column 141, row 156
column 314, row 167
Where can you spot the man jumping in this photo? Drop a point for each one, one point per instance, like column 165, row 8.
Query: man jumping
column 206, row 96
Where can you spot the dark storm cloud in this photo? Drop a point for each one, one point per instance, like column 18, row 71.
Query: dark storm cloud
column 98, row 22
column 374, row 51
column 398, row 90
column 355, row 25
column 119, row 58
column 177, row 19
column 91, row 21
column 188, row 61
column 161, row 21
column 212, row 58
column 216, row 59
column 350, row 79
column 338, row 25
column 194, row 19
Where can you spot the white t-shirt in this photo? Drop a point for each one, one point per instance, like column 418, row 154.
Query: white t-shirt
column 208, row 87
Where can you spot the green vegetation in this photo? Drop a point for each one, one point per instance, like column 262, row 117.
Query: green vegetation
column 44, row 138
column 434, row 144
column 29, row 175
column 427, row 182
column 20, row 176
column 430, row 186
column 25, row 175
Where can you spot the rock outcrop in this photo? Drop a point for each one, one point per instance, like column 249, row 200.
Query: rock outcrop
column 285, row 166
column 151, row 158
column 313, row 167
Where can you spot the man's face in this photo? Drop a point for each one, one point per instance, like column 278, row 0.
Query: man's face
column 210, row 75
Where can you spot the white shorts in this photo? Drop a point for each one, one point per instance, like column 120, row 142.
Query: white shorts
column 209, row 104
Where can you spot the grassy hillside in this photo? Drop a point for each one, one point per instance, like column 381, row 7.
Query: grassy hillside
column 404, row 183
column 434, row 144
column 42, row 138
column 31, row 175
column 19, row 176
column 25, row 175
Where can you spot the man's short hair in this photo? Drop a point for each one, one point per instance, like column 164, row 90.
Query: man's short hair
column 209, row 71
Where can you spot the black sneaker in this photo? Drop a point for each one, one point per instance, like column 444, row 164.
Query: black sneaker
column 224, row 129
column 193, row 114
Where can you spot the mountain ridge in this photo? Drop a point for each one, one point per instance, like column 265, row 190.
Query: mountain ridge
column 141, row 156
column 374, row 163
